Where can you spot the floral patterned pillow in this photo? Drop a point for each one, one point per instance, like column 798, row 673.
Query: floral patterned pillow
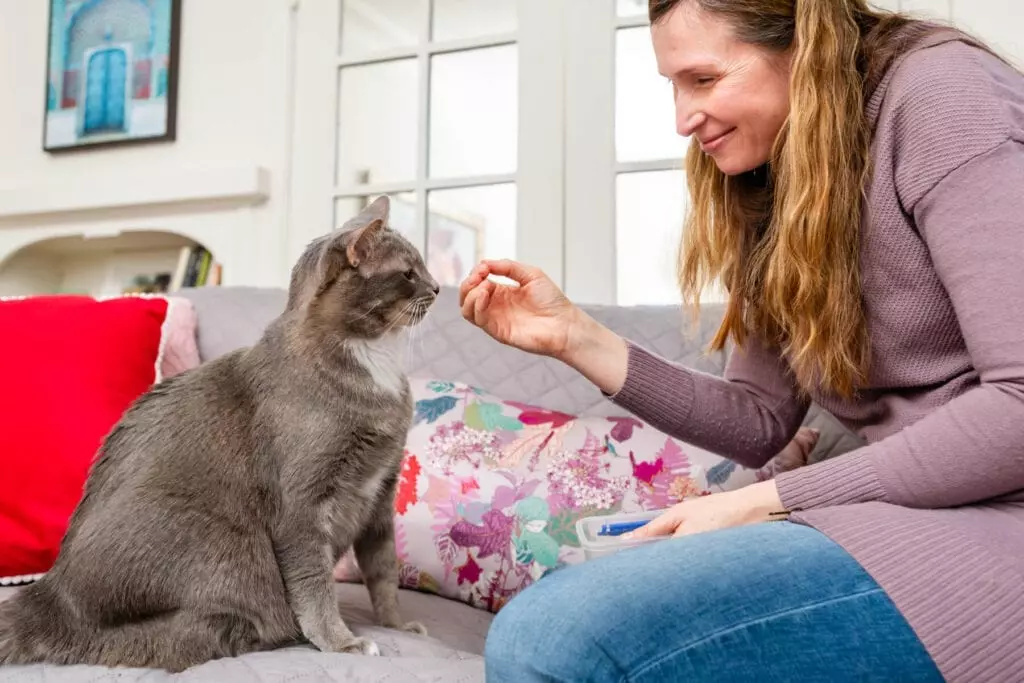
column 491, row 489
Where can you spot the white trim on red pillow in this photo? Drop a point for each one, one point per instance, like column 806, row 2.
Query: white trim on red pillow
column 19, row 580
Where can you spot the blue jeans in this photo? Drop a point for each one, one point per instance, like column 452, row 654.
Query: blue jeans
column 770, row 602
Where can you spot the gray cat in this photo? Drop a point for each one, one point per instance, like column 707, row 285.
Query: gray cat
column 219, row 503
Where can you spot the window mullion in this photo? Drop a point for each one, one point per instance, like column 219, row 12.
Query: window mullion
column 590, row 162
column 419, row 231
column 310, row 175
column 540, row 156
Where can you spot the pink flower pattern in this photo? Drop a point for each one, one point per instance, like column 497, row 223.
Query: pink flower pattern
column 491, row 501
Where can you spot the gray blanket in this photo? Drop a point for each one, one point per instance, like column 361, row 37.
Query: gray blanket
column 452, row 652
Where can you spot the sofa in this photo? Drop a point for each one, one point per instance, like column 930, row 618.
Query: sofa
column 448, row 348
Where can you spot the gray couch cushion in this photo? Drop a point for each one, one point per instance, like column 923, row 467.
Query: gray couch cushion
column 447, row 347
column 451, row 653
column 232, row 317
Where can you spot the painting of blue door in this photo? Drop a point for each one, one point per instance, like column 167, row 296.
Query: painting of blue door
column 105, row 90
column 112, row 72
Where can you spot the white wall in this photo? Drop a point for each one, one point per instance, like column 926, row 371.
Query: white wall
column 30, row 273
column 998, row 22
column 233, row 111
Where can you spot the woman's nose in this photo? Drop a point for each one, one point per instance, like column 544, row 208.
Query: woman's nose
column 688, row 121
column 688, row 117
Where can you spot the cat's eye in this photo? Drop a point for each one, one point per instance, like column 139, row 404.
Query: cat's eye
column 410, row 275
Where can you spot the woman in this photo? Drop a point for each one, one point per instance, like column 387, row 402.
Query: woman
column 856, row 179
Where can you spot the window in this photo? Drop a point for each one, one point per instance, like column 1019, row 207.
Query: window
column 428, row 111
column 443, row 105
column 650, row 189
column 626, row 195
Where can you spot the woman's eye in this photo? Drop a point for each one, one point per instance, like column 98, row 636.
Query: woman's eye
column 705, row 80
column 410, row 275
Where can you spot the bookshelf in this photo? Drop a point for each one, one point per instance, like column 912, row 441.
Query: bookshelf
column 93, row 232
column 142, row 261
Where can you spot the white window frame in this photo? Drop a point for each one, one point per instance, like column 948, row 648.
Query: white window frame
column 540, row 158
column 592, row 166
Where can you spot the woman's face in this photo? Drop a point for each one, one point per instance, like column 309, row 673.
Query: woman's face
column 732, row 96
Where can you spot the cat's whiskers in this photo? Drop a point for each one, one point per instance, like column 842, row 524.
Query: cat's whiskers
column 370, row 310
column 422, row 307
column 399, row 317
column 420, row 333
column 408, row 343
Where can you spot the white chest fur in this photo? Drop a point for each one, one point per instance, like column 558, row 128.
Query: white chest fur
column 383, row 359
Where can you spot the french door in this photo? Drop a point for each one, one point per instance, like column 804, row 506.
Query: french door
column 452, row 107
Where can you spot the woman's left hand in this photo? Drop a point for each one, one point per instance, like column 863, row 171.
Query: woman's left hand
column 748, row 505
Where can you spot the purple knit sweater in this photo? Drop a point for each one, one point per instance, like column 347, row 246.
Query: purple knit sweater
column 933, row 506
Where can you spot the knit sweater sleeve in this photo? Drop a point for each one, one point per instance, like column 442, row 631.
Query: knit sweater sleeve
column 963, row 190
column 748, row 415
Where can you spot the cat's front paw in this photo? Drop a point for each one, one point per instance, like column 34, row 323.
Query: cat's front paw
column 414, row 627
column 361, row 646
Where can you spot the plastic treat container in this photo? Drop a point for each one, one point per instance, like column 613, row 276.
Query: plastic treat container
column 596, row 546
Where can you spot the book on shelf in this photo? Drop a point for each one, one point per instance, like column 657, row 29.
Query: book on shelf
column 195, row 268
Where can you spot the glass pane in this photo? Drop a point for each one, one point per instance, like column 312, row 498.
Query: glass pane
column 469, row 224
column 474, row 112
column 457, row 19
column 650, row 208
column 377, row 25
column 402, row 217
column 645, row 127
column 632, row 8
column 377, row 123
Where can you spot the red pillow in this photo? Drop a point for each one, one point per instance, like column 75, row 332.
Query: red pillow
column 70, row 367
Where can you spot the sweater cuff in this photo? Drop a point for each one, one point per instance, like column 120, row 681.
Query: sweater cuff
column 650, row 391
column 847, row 479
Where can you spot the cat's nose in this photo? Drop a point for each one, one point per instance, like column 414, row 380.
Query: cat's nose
column 437, row 289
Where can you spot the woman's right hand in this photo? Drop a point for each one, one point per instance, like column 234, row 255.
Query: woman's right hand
column 535, row 316
column 532, row 315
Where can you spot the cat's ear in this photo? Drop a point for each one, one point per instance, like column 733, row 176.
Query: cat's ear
column 360, row 242
column 378, row 209
column 351, row 244
column 345, row 248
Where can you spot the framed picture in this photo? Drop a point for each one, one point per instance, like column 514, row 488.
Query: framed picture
column 455, row 238
column 455, row 243
column 112, row 73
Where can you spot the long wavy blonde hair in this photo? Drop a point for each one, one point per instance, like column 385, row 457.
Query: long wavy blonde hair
column 785, row 240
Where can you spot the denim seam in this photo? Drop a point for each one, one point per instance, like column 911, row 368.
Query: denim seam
column 746, row 624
